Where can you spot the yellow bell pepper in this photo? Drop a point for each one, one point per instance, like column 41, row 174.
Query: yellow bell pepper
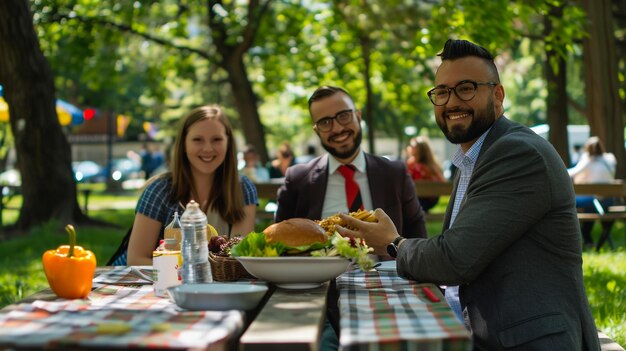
column 70, row 268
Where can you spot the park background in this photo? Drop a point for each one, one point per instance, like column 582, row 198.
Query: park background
column 136, row 67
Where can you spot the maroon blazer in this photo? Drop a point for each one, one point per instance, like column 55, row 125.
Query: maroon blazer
column 302, row 194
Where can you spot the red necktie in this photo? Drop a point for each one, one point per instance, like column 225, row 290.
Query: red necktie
column 353, row 194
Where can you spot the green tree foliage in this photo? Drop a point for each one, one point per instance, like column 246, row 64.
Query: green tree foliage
column 122, row 56
column 155, row 59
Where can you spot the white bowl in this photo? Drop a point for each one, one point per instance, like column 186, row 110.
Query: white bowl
column 217, row 296
column 295, row 272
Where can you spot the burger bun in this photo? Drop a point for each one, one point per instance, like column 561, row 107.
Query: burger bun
column 296, row 233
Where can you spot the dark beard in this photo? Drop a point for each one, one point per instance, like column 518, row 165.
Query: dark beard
column 480, row 123
column 347, row 154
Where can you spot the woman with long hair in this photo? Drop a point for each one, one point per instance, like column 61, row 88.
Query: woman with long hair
column 423, row 165
column 204, row 169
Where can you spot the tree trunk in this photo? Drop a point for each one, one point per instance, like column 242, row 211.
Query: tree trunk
column 369, row 103
column 246, row 104
column 555, row 71
column 604, row 110
column 232, row 51
column 44, row 158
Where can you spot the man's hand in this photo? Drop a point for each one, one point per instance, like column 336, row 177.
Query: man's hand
column 376, row 234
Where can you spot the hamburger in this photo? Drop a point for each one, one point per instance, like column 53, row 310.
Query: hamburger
column 303, row 237
column 297, row 234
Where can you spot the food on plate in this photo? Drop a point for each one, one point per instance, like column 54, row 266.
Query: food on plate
column 295, row 232
column 329, row 223
column 211, row 231
column 302, row 237
column 215, row 243
column 354, row 249
column 220, row 245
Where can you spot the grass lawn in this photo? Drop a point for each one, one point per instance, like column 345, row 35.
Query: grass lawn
column 21, row 273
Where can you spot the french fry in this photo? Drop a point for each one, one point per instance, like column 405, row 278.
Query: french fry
column 329, row 223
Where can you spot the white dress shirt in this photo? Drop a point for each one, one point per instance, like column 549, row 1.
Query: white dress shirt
column 335, row 198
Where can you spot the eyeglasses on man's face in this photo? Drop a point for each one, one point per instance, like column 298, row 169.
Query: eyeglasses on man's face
column 344, row 117
column 465, row 91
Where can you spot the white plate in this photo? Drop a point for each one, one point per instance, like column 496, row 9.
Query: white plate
column 217, row 296
column 386, row 266
column 295, row 272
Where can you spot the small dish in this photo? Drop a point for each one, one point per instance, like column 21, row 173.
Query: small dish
column 386, row 266
column 295, row 272
column 217, row 296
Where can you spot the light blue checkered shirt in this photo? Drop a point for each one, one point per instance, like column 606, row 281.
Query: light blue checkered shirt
column 465, row 163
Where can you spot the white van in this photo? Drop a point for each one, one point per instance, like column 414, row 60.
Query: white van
column 577, row 135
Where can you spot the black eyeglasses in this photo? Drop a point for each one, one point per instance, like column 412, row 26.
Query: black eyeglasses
column 325, row 124
column 465, row 91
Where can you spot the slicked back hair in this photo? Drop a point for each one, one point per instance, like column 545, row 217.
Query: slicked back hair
column 325, row 91
column 455, row 49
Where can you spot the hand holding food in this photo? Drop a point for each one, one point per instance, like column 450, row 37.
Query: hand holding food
column 377, row 234
column 329, row 223
column 70, row 268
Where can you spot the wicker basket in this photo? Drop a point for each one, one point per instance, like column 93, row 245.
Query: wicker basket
column 227, row 268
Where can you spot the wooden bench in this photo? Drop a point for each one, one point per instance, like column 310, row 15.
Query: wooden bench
column 269, row 190
column 426, row 188
column 608, row 344
column 606, row 216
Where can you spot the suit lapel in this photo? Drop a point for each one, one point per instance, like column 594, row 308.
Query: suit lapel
column 455, row 185
column 318, row 180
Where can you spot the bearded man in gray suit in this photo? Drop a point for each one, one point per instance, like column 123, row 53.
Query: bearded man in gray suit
column 511, row 240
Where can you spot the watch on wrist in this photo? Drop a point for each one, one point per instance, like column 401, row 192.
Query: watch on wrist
column 392, row 248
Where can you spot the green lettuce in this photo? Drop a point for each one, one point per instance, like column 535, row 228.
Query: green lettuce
column 354, row 249
column 254, row 245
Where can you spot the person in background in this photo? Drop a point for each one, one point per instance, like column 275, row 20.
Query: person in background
column 150, row 160
column 252, row 168
column 318, row 189
column 284, row 159
column 576, row 155
column 422, row 164
column 595, row 166
column 308, row 156
column 511, row 239
column 204, row 169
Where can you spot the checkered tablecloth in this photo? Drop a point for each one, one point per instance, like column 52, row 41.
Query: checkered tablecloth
column 116, row 316
column 381, row 311
column 123, row 275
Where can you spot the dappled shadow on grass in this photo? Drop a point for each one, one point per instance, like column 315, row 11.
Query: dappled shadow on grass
column 606, row 291
column 605, row 284
column 20, row 278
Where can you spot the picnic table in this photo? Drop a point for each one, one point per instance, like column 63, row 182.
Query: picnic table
column 379, row 310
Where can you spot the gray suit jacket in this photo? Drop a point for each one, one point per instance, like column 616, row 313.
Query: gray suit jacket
column 514, row 249
column 302, row 194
